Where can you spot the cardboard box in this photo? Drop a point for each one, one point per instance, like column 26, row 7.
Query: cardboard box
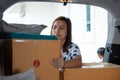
column 94, row 71
column 23, row 54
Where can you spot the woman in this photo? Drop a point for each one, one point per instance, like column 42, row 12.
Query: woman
column 70, row 56
column 100, row 53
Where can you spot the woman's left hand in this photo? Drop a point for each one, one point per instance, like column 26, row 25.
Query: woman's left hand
column 57, row 62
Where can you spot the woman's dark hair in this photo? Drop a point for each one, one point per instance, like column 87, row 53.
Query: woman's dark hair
column 69, row 32
column 101, row 51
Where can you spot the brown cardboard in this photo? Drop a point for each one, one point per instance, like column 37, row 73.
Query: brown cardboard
column 94, row 71
column 35, row 54
column 23, row 54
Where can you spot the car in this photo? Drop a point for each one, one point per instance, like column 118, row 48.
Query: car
column 112, row 43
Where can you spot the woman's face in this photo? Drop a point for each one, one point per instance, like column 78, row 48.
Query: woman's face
column 59, row 29
column 100, row 56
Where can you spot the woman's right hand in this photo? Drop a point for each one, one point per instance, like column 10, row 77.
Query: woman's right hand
column 57, row 62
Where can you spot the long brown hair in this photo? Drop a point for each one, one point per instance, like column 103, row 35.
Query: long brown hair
column 69, row 31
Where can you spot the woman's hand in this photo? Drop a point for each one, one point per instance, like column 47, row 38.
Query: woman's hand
column 57, row 62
